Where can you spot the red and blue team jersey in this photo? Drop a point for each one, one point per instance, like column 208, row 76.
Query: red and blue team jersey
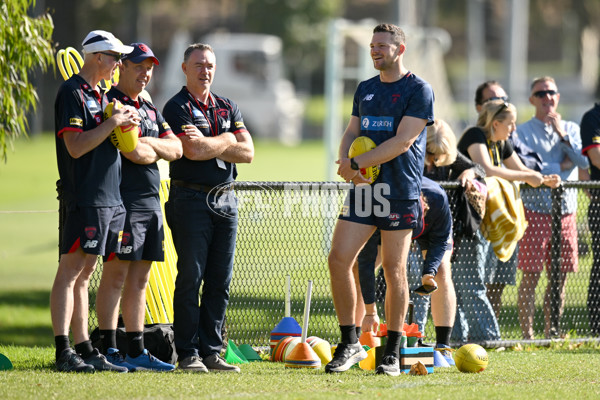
column 218, row 116
column 91, row 180
column 380, row 106
column 140, row 184
column 434, row 231
column 590, row 136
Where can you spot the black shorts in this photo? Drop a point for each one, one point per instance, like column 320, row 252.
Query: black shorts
column 362, row 207
column 97, row 230
column 143, row 236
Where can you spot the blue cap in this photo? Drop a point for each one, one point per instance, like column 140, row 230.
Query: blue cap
column 140, row 52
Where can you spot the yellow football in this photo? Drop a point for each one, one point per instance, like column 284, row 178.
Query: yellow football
column 361, row 145
column 124, row 138
column 471, row 358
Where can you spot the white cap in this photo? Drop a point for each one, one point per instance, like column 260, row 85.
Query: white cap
column 99, row 40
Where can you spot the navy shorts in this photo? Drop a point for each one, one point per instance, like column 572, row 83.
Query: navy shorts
column 97, row 230
column 143, row 236
column 362, row 207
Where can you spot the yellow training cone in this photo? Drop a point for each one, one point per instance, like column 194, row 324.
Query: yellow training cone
column 368, row 364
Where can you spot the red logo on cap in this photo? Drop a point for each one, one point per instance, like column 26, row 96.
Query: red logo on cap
column 143, row 48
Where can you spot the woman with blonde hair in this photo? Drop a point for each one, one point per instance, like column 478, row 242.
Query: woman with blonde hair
column 443, row 162
column 487, row 144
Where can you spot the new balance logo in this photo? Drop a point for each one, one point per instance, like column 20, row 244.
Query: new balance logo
column 126, row 249
column 90, row 244
column 368, row 97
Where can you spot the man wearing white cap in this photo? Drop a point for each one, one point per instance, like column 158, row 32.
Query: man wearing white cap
column 143, row 235
column 89, row 167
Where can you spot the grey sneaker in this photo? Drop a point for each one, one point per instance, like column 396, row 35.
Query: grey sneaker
column 345, row 356
column 100, row 363
column 216, row 363
column 69, row 361
column 389, row 366
column 192, row 364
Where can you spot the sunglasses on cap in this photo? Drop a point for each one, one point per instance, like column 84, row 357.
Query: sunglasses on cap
column 543, row 93
column 503, row 98
column 117, row 56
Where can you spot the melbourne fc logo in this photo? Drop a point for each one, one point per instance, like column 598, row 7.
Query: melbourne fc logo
column 223, row 112
column 143, row 47
column 90, row 232
column 126, row 238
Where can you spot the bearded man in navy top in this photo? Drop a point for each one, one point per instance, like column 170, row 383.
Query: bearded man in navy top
column 393, row 110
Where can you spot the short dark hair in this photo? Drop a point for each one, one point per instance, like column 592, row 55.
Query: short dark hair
column 397, row 33
column 196, row 46
column 481, row 88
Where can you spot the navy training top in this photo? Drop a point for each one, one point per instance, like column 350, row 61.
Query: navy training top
column 218, row 116
column 434, row 232
column 140, row 183
column 590, row 136
column 380, row 106
column 91, row 180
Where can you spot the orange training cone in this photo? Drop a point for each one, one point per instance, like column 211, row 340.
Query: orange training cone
column 302, row 355
column 367, row 338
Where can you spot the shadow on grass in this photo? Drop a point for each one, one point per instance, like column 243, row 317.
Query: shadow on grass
column 27, row 325
column 26, row 298
column 574, row 321
column 34, row 335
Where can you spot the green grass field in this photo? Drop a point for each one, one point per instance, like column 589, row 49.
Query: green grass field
column 565, row 372
column 28, row 260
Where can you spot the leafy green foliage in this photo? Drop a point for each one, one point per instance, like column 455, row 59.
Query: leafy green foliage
column 25, row 45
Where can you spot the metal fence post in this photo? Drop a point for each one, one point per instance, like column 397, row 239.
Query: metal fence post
column 556, row 242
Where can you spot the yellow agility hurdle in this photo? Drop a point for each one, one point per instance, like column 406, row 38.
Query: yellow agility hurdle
column 70, row 62
column 161, row 286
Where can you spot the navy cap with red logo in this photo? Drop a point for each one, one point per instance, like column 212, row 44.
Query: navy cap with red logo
column 140, row 52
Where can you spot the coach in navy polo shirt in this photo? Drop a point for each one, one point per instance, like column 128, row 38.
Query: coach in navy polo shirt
column 89, row 167
column 201, row 210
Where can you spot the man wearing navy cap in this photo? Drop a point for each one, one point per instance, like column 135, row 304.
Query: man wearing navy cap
column 89, row 167
column 143, row 235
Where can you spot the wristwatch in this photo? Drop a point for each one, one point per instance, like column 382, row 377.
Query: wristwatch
column 353, row 164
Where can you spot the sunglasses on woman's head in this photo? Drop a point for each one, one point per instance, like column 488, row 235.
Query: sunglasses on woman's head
column 503, row 107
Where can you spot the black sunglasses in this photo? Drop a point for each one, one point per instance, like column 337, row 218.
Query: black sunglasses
column 543, row 93
column 503, row 107
column 503, row 98
column 118, row 57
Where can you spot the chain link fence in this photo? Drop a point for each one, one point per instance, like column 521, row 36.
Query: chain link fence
column 285, row 228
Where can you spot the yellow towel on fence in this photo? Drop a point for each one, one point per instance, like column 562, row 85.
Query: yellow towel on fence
column 504, row 222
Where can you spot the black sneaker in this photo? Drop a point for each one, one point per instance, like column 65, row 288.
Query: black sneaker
column 69, row 361
column 389, row 366
column 99, row 362
column 345, row 356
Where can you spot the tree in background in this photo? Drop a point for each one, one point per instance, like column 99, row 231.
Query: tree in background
column 25, row 43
